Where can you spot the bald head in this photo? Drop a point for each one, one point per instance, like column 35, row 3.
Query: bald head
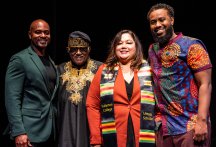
column 38, row 22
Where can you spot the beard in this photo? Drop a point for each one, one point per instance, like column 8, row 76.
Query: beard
column 164, row 39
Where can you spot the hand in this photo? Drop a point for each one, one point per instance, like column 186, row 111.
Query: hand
column 200, row 131
column 22, row 141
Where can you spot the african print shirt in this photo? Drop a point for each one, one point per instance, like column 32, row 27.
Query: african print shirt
column 175, row 88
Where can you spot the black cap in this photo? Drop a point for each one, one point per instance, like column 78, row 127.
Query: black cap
column 79, row 34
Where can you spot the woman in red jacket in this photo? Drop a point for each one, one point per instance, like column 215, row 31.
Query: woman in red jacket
column 120, row 101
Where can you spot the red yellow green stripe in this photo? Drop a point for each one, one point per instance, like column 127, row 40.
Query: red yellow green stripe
column 147, row 136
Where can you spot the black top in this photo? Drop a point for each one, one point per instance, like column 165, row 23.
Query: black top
column 130, row 132
column 51, row 74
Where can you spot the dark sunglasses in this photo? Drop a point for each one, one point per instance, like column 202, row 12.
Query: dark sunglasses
column 75, row 49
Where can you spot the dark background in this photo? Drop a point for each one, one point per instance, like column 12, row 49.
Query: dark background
column 101, row 20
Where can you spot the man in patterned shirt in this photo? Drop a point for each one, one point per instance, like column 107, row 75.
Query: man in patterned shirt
column 182, row 83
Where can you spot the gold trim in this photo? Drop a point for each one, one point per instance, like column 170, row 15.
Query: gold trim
column 76, row 79
column 77, row 42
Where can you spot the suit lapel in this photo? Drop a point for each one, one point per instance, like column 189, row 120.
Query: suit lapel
column 57, row 77
column 40, row 66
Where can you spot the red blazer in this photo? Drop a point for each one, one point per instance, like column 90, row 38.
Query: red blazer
column 122, row 108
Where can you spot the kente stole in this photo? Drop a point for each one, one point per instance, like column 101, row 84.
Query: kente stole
column 147, row 102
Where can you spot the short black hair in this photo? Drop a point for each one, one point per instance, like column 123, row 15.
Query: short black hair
column 161, row 6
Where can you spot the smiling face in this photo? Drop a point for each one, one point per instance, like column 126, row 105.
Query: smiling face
column 39, row 34
column 78, row 50
column 79, row 56
column 125, row 49
column 161, row 25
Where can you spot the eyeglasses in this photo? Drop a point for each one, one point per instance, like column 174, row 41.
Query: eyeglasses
column 74, row 50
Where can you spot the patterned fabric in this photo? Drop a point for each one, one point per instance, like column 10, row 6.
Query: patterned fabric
column 147, row 102
column 76, row 79
column 175, row 88
column 72, row 92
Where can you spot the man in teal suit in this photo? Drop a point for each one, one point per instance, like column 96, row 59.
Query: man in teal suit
column 30, row 85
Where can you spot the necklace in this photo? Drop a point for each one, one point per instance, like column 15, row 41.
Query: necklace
column 77, row 79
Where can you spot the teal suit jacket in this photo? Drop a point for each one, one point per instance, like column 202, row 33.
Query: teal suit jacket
column 29, row 104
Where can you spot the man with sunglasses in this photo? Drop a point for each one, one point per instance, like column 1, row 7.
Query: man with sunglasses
column 75, row 79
